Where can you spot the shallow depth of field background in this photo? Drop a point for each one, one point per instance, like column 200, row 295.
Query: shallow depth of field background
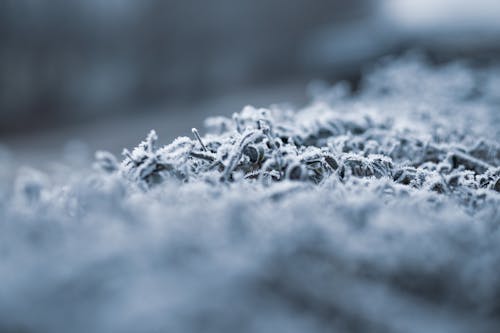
column 376, row 208
column 105, row 72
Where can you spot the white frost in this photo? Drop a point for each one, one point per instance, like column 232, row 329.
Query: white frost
column 370, row 213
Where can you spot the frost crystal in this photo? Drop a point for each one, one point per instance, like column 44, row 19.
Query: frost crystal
column 340, row 139
column 377, row 212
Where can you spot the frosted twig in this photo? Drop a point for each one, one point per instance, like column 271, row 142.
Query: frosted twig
column 197, row 136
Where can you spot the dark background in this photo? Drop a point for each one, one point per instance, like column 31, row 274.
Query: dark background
column 106, row 71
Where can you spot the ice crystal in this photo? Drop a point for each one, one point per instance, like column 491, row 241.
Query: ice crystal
column 376, row 212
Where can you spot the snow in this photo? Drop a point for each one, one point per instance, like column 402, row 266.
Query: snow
column 373, row 212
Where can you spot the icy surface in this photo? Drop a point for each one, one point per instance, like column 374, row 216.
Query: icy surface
column 377, row 212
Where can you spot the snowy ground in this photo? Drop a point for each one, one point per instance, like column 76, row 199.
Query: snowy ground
column 370, row 213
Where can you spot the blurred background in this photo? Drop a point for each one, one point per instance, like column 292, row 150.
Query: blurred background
column 105, row 72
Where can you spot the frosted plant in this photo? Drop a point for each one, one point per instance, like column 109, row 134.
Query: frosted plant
column 376, row 212
column 320, row 142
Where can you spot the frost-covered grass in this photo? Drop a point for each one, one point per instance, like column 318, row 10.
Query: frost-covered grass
column 374, row 212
